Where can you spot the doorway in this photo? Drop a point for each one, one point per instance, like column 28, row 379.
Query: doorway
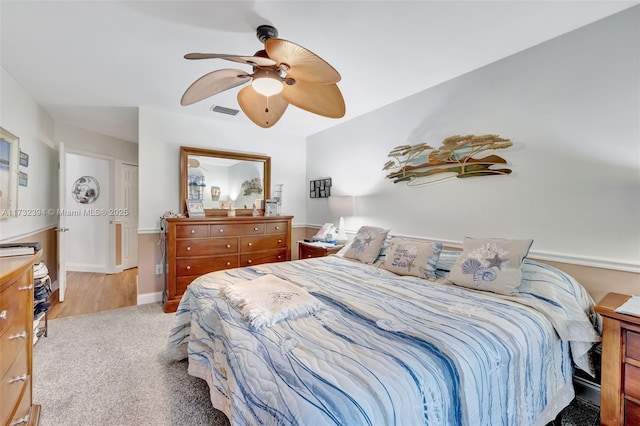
column 100, row 246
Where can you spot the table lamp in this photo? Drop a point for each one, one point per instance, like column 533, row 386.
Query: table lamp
column 341, row 206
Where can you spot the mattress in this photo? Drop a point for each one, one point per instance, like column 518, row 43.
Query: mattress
column 387, row 349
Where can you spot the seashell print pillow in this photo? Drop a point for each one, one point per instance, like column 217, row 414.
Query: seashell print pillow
column 410, row 257
column 491, row 264
column 366, row 245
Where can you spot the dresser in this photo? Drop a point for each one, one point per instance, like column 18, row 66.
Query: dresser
column 16, row 340
column 196, row 246
column 620, row 390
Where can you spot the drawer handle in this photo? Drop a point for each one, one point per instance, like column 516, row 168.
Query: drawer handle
column 228, row 263
column 3, row 315
column 250, row 244
column 228, row 245
column 20, row 421
column 188, row 248
column 193, row 231
column 18, row 379
column 279, row 257
column 188, row 267
column 249, row 261
column 277, row 227
column 221, row 230
column 279, row 241
column 26, row 287
column 255, row 229
column 22, row 335
column 308, row 255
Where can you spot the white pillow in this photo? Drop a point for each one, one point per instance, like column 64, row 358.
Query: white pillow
column 491, row 264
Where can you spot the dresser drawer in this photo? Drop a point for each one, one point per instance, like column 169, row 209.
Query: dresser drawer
column 12, row 344
column 183, row 282
column 257, row 258
column 192, row 231
column 237, row 229
column 277, row 227
column 251, row 244
column 13, row 384
column 24, row 409
column 631, row 413
column 13, row 303
column 206, row 246
column 633, row 345
column 203, row 265
column 632, row 381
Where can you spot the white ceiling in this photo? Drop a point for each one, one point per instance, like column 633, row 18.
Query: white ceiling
column 91, row 64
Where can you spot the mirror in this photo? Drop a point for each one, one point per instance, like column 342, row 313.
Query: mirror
column 224, row 180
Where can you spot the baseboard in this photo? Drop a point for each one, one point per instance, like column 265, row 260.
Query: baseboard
column 81, row 267
column 145, row 298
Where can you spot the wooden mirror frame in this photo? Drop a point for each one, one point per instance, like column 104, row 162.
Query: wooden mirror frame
column 185, row 151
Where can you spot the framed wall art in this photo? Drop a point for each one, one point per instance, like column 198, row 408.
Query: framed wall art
column 9, row 157
column 320, row 188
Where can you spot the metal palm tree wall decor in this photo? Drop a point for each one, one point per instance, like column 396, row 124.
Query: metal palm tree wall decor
column 415, row 164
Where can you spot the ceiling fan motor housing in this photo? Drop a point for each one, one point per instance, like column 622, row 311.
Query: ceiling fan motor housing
column 265, row 32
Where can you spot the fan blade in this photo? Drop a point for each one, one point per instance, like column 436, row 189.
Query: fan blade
column 213, row 83
column 262, row 110
column 321, row 99
column 303, row 64
column 250, row 60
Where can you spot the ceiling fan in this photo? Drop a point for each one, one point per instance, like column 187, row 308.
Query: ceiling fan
column 283, row 73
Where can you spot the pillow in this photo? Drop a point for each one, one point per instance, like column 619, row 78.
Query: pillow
column 447, row 259
column 490, row 264
column 366, row 245
column 410, row 257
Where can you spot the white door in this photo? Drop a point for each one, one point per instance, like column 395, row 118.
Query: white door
column 129, row 182
column 62, row 179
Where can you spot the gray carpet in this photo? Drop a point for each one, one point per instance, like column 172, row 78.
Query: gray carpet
column 108, row 368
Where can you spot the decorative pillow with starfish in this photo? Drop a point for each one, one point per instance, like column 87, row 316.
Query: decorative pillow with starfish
column 366, row 245
column 411, row 257
column 490, row 264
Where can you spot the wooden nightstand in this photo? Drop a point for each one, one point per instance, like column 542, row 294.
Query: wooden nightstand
column 620, row 391
column 309, row 250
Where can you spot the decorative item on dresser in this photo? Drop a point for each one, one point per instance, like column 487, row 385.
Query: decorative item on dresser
column 198, row 246
column 16, row 337
column 620, row 391
column 307, row 250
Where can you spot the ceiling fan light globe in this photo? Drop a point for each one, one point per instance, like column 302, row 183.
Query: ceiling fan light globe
column 267, row 86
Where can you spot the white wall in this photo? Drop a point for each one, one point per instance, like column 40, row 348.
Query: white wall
column 87, row 242
column 162, row 134
column 22, row 116
column 572, row 108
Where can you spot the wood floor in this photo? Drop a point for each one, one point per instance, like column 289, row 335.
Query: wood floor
column 89, row 292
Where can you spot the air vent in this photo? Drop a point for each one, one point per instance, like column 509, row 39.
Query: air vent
column 224, row 110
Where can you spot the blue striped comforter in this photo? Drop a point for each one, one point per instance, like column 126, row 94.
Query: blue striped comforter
column 386, row 349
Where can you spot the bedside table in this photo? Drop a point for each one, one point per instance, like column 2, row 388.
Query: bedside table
column 309, row 250
column 620, row 389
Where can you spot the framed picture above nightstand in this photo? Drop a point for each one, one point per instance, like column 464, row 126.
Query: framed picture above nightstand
column 308, row 250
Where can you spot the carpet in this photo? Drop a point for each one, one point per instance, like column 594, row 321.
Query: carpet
column 109, row 369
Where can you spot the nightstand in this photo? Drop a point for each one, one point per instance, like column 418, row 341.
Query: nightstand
column 620, row 389
column 309, row 250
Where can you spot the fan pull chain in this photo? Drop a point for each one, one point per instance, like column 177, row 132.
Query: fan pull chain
column 266, row 110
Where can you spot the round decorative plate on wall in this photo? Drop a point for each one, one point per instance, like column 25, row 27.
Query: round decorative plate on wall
column 85, row 190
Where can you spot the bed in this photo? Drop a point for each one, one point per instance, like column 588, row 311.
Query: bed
column 386, row 349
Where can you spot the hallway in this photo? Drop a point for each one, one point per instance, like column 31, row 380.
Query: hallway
column 89, row 292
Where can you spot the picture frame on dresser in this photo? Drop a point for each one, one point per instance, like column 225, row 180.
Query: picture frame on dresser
column 195, row 208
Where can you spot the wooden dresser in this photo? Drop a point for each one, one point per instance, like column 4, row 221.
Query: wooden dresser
column 16, row 340
column 620, row 391
column 197, row 246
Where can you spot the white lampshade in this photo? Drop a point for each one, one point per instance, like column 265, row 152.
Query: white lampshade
column 342, row 205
